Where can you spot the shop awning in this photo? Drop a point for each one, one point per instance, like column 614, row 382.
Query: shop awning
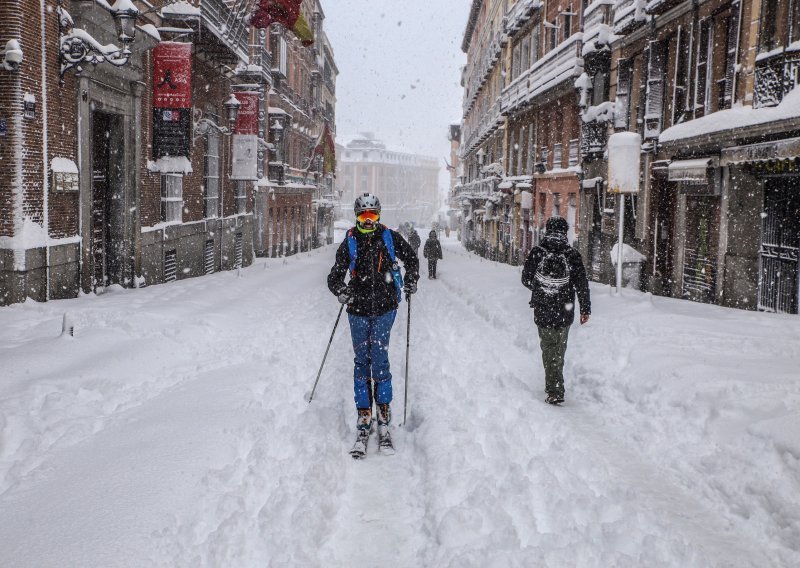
column 778, row 150
column 691, row 171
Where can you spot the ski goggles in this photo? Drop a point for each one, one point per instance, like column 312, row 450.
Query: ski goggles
column 368, row 216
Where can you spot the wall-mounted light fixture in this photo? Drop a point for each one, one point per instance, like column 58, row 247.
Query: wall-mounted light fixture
column 78, row 47
column 202, row 125
column 12, row 55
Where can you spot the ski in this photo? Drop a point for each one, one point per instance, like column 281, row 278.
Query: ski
column 385, row 445
column 359, row 450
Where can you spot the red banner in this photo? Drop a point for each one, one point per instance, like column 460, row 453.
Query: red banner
column 247, row 121
column 172, row 75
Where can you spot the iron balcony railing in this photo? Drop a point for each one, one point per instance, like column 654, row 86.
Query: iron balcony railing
column 777, row 73
column 226, row 20
column 561, row 64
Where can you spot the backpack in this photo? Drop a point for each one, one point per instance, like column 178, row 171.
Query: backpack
column 552, row 273
column 388, row 240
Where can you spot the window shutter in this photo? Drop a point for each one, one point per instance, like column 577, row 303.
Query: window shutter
column 704, row 47
column 679, row 79
column 731, row 54
column 623, row 94
column 654, row 104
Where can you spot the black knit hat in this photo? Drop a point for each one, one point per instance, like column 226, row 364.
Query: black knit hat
column 557, row 225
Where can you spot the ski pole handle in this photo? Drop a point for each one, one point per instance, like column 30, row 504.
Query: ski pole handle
column 319, row 374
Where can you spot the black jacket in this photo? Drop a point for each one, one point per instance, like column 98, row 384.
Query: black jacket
column 433, row 249
column 373, row 289
column 557, row 310
column 414, row 240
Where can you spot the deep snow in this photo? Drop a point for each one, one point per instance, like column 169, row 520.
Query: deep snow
column 172, row 430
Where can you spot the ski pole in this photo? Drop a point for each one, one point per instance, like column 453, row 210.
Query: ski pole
column 408, row 343
column 313, row 390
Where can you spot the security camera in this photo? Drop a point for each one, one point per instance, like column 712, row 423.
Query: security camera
column 12, row 55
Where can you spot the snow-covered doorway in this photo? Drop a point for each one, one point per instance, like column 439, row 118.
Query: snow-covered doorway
column 107, row 178
column 780, row 246
column 664, row 205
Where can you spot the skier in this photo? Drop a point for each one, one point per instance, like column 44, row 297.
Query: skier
column 413, row 239
column 433, row 252
column 554, row 272
column 370, row 253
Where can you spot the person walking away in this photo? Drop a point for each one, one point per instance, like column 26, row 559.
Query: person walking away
column 554, row 273
column 414, row 240
column 433, row 252
column 369, row 254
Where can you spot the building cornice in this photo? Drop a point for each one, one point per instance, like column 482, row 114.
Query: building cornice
column 471, row 21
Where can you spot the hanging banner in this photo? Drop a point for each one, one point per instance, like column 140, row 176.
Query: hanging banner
column 245, row 138
column 172, row 99
column 172, row 75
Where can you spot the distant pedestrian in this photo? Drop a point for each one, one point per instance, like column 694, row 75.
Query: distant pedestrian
column 414, row 240
column 447, row 231
column 554, row 273
column 369, row 254
column 433, row 252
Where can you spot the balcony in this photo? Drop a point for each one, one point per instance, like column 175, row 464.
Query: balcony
column 563, row 64
column 519, row 15
column 627, row 14
column 223, row 18
column 777, row 73
column 485, row 127
column 598, row 32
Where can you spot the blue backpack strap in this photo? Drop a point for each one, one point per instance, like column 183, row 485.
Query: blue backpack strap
column 352, row 246
column 388, row 240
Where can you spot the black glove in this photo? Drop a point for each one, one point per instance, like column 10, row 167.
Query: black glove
column 345, row 295
column 410, row 287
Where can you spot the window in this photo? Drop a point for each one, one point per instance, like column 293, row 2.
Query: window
column 566, row 28
column 241, row 197
column 171, row 198
column 553, row 36
column 794, row 22
column 556, row 205
column 557, row 155
column 211, row 174
column 531, row 151
column 732, row 46
column 525, row 54
column 705, row 46
column 769, row 15
column 515, row 62
column 680, row 91
column 622, row 114
column 535, row 43
column 574, row 145
column 655, row 90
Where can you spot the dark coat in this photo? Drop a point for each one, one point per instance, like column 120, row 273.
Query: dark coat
column 557, row 310
column 433, row 249
column 373, row 289
column 414, row 240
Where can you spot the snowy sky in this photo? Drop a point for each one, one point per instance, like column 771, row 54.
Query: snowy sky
column 399, row 69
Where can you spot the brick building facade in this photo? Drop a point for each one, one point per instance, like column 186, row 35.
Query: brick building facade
column 93, row 189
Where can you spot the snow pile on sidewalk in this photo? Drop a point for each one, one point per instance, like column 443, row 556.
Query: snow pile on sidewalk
column 172, row 430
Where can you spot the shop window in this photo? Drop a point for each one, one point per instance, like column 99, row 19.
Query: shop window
column 211, row 174
column 171, row 198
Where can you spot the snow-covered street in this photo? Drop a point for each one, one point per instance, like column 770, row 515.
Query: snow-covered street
column 172, row 430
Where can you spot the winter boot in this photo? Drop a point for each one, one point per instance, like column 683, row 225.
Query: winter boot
column 384, row 435
column 555, row 399
column 364, row 426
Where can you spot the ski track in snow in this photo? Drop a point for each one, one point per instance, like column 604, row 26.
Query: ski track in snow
column 181, row 409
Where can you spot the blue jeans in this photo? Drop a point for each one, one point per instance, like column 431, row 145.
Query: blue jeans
column 371, row 346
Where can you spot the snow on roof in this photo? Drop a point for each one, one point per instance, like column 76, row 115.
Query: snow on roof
column 63, row 166
column 740, row 117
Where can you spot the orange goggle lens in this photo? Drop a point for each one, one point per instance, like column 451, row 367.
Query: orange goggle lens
column 366, row 216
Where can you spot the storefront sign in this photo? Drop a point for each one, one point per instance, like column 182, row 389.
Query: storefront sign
column 247, row 119
column 763, row 152
column 245, row 157
column 172, row 99
column 624, row 163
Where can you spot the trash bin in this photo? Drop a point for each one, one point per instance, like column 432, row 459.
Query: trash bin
column 632, row 261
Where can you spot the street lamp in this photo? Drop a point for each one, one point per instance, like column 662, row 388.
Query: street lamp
column 77, row 46
column 202, row 125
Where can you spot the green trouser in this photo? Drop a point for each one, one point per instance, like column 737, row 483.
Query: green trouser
column 553, row 342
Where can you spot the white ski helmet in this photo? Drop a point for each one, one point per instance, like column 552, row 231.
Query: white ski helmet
column 366, row 202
